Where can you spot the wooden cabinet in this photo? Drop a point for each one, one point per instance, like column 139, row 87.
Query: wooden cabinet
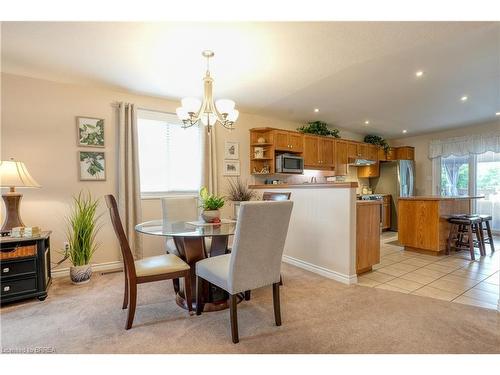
column 319, row 151
column 367, row 235
column 352, row 149
column 288, row 141
column 369, row 171
column 372, row 152
column 25, row 265
column 341, row 158
column 359, row 150
column 405, row 153
column 386, row 212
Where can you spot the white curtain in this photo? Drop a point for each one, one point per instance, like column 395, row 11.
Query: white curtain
column 209, row 159
column 129, row 191
column 461, row 146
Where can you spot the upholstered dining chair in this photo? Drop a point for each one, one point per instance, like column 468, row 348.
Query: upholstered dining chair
column 181, row 208
column 155, row 268
column 255, row 260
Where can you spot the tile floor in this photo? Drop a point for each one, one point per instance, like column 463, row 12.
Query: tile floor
column 452, row 278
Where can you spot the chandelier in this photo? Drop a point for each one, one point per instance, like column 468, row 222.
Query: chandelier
column 209, row 113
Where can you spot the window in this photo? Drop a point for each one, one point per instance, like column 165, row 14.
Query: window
column 169, row 156
column 473, row 175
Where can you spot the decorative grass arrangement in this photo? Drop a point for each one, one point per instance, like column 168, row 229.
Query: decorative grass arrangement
column 210, row 202
column 82, row 229
column 238, row 191
column 319, row 128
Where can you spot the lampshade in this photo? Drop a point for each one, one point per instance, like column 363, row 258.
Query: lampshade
column 182, row 113
column 225, row 105
column 233, row 115
column 206, row 117
column 14, row 174
column 191, row 104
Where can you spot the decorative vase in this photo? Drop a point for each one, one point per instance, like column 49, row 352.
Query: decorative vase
column 236, row 209
column 80, row 274
column 209, row 216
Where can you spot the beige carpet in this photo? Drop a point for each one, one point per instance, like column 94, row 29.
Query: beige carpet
column 319, row 316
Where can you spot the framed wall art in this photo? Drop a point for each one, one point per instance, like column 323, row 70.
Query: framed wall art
column 92, row 165
column 90, row 131
column 231, row 150
column 231, row 167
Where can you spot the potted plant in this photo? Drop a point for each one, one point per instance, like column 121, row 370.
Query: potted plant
column 377, row 140
column 239, row 192
column 81, row 234
column 319, row 128
column 210, row 204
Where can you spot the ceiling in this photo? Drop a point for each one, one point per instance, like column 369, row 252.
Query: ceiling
column 351, row 71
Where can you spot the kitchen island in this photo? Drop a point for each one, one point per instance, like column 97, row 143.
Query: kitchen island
column 322, row 233
column 422, row 226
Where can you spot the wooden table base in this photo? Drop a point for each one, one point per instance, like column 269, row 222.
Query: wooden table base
column 192, row 250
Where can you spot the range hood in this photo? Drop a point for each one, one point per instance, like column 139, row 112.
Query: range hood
column 360, row 162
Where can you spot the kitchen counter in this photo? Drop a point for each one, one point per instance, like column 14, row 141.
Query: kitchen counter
column 422, row 225
column 338, row 185
column 439, row 198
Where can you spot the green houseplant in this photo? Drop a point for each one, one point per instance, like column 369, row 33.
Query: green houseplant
column 319, row 128
column 377, row 140
column 211, row 205
column 82, row 228
column 238, row 192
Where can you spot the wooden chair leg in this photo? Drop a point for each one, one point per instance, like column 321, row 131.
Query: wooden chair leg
column 480, row 238
column 187, row 291
column 175, row 282
column 132, row 304
column 276, row 303
column 199, row 299
column 125, row 293
column 281, row 279
column 471, row 242
column 450, row 239
column 247, row 295
column 233, row 303
column 490, row 236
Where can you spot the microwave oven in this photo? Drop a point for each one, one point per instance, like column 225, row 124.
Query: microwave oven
column 287, row 163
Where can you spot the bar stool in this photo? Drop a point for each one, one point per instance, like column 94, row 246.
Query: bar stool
column 464, row 226
column 486, row 237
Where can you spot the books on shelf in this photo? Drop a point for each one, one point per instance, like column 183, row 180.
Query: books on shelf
column 18, row 232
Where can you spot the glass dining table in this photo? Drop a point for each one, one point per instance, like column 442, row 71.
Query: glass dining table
column 189, row 238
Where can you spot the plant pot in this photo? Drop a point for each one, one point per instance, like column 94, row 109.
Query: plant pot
column 209, row 216
column 236, row 209
column 80, row 274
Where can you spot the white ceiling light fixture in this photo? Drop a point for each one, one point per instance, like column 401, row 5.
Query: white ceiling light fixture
column 405, row 131
column 316, row 110
column 367, row 122
column 464, row 98
column 419, row 73
column 209, row 113
column 497, row 114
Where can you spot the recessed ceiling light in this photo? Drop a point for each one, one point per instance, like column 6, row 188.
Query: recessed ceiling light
column 367, row 122
column 464, row 98
column 419, row 73
column 316, row 109
column 497, row 114
column 405, row 131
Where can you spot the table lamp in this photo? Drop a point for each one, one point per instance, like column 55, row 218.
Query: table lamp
column 14, row 174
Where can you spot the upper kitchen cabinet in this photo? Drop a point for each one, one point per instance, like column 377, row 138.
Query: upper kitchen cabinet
column 319, row 151
column 358, row 150
column 341, row 158
column 405, row 153
column 388, row 155
column 288, row 141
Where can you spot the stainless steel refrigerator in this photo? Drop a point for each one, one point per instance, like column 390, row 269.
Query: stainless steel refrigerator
column 398, row 179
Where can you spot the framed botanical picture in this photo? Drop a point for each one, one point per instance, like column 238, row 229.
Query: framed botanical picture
column 92, row 165
column 90, row 131
column 231, row 167
column 231, row 150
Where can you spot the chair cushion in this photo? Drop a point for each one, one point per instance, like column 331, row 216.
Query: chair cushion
column 215, row 270
column 160, row 264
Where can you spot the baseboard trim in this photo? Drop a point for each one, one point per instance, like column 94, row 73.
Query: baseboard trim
column 337, row 276
column 98, row 267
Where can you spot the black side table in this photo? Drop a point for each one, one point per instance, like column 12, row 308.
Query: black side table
column 24, row 268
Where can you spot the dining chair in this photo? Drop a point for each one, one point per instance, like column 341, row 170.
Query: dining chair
column 273, row 196
column 181, row 208
column 150, row 269
column 255, row 260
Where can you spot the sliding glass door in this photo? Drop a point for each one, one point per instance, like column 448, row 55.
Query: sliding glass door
column 474, row 175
